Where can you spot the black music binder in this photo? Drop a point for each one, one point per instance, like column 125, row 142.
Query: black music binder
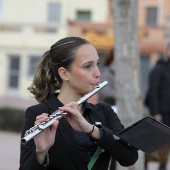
column 146, row 135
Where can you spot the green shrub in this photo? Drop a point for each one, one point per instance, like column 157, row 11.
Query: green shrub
column 11, row 119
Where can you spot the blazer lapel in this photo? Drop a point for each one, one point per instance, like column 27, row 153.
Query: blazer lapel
column 97, row 115
column 65, row 132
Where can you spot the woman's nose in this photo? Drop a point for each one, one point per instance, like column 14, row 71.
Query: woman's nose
column 97, row 72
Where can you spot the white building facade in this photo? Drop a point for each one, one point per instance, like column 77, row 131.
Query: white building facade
column 27, row 29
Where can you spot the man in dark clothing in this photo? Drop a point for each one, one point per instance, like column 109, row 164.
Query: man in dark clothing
column 158, row 97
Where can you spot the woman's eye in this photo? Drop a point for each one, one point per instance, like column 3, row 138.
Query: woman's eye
column 87, row 66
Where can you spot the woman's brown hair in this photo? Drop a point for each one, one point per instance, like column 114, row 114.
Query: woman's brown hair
column 46, row 79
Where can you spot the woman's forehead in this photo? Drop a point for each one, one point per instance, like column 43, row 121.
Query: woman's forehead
column 86, row 51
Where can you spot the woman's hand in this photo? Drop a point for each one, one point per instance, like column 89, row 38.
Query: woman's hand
column 75, row 118
column 158, row 117
column 45, row 139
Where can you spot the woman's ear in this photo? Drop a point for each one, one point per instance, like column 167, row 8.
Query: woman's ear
column 63, row 73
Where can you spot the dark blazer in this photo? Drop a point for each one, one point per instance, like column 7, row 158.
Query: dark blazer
column 64, row 154
column 158, row 95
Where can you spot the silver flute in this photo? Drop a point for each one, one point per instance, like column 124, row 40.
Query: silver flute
column 57, row 115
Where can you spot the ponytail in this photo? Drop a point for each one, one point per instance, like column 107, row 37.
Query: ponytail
column 61, row 54
column 44, row 83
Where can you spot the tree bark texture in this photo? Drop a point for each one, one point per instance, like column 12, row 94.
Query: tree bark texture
column 127, row 67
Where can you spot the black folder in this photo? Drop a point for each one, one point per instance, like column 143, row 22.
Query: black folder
column 146, row 135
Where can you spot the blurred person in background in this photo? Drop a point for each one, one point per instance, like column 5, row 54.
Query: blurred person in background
column 158, row 102
column 83, row 138
column 107, row 95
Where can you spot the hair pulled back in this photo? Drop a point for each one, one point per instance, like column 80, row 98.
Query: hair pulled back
column 46, row 79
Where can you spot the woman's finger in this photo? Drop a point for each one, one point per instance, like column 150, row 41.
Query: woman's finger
column 41, row 119
column 42, row 115
column 71, row 107
column 54, row 127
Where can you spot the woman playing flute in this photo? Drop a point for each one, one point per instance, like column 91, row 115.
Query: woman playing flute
column 83, row 138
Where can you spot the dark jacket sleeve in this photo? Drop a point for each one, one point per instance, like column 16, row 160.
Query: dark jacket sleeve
column 28, row 159
column 123, row 153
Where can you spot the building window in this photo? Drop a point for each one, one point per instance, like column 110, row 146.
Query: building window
column 54, row 10
column 14, row 71
column 83, row 15
column 33, row 59
column 151, row 16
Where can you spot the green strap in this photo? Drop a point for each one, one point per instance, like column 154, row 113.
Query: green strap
column 96, row 154
column 94, row 158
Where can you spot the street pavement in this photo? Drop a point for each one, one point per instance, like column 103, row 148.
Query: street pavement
column 10, row 151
